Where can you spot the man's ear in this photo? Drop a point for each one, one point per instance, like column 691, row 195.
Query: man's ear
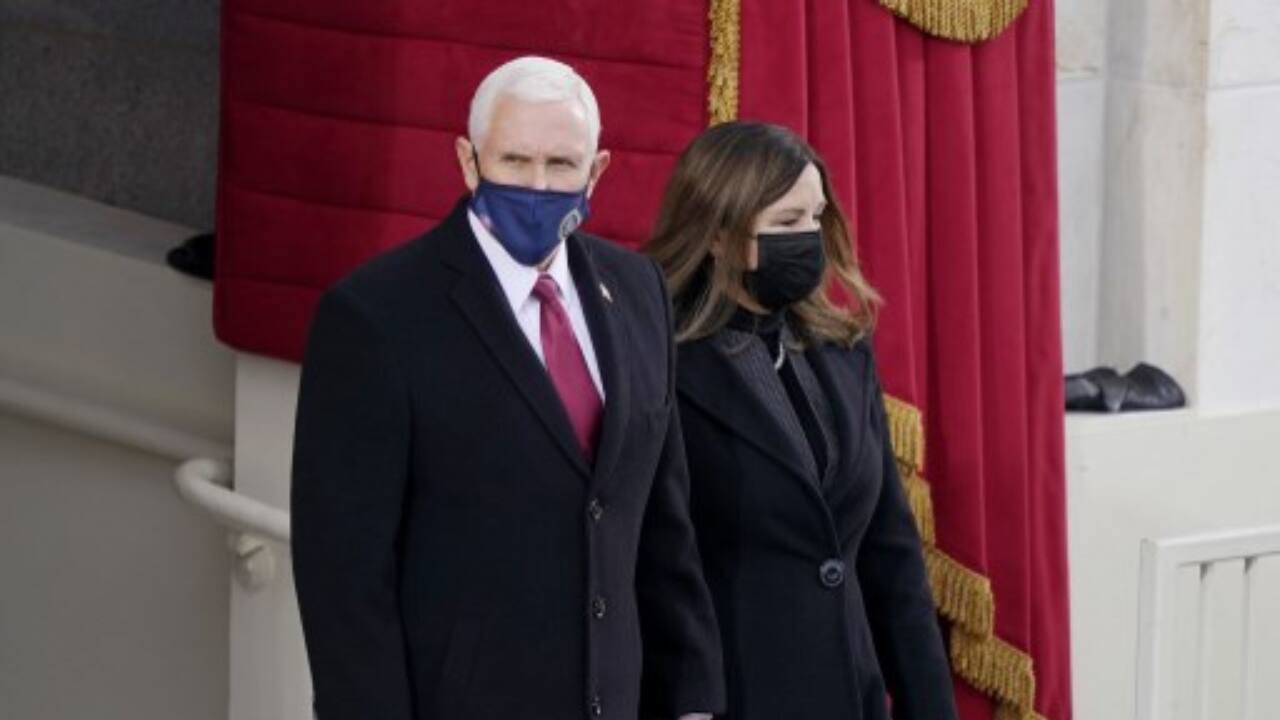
column 598, row 166
column 467, row 162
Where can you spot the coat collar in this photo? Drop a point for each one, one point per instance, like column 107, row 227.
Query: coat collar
column 715, row 379
column 839, row 369
column 719, row 374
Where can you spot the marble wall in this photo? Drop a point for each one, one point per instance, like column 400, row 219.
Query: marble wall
column 1082, row 61
column 1239, row 321
column 1168, row 172
column 1154, row 158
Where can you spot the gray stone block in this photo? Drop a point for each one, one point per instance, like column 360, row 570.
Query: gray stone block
column 187, row 23
column 130, row 124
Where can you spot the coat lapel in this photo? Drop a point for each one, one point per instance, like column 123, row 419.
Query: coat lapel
column 480, row 300
column 717, row 377
column 609, row 338
column 840, row 380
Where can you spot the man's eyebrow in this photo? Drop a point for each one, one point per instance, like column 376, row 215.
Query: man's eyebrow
column 512, row 155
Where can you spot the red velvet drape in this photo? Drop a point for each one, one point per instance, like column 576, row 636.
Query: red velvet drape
column 945, row 156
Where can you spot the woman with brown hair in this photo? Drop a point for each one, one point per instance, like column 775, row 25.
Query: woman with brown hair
column 807, row 542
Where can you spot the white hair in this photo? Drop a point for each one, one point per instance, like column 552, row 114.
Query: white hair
column 533, row 79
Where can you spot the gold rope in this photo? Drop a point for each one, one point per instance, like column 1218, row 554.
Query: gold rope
column 722, row 68
column 967, row 21
column 962, row 595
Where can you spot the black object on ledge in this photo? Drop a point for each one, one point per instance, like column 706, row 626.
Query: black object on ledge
column 1144, row 387
column 194, row 257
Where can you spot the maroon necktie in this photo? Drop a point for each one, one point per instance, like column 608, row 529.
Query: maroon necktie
column 568, row 367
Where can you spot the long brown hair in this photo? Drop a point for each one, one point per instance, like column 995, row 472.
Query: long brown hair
column 723, row 181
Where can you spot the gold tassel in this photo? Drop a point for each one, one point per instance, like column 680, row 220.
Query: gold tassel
column 968, row 21
column 920, row 500
column 722, row 68
column 995, row 667
column 1008, row 712
column 906, row 432
column 962, row 596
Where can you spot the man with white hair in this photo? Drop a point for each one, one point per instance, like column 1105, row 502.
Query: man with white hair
column 490, row 500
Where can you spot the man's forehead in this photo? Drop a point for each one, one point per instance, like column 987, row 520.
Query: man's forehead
column 569, row 107
column 538, row 131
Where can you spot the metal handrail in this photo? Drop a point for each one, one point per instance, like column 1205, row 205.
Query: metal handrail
column 203, row 477
column 206, row 483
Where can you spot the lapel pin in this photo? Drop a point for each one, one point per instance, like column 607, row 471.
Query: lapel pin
column 604, row 291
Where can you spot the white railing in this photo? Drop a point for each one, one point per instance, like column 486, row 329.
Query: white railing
column 204, row 477
column 206, row 483
column 1157, row 618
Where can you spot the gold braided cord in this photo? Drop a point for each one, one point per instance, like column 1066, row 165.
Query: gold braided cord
column 962, row 595
column 722, row 68
column 968, row 21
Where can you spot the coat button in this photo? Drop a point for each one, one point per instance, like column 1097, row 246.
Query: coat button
column 595, row 510
column 597, row 707
column 831, row 573
column 598, row 607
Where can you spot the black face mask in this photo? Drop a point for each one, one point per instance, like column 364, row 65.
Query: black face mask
column 789, row 267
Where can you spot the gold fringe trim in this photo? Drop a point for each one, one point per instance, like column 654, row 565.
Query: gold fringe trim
column 968, row 21
column 722, row 68
column 996, row 668
column 906, row 432
column 920, row 498
column 1008, row 712
column 963, row 596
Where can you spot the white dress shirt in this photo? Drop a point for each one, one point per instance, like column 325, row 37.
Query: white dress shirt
column 517, row 283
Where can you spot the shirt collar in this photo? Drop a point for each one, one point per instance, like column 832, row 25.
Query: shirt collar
column 517, row 280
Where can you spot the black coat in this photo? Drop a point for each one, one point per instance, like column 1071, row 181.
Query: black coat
column 819, row 585
column 454, row 555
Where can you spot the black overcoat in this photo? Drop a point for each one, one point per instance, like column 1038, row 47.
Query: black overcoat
column 455, row 557
column 818, row 579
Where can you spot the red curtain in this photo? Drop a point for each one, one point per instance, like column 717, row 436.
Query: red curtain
column 945, row 156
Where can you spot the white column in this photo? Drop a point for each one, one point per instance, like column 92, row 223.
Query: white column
column 1081, row 79
column 1149, row 284
column 269, row 675
column 1239, row 321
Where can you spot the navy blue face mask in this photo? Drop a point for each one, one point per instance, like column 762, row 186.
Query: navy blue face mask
column 529, row 223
